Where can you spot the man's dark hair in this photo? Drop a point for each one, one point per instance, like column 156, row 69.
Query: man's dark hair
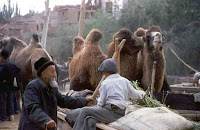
column 35, row 37
column 5, row 54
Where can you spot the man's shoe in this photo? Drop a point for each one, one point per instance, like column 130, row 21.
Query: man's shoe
column 11, row 117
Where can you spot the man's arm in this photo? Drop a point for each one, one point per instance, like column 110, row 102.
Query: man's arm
column 103, row 95
column 69, row 101
column 3, row 73
column 32, row 106
column 133, row 93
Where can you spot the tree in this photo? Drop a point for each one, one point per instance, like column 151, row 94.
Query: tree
column 17, row 11
column 10, row 9
column 106, row 23
column 7, row 12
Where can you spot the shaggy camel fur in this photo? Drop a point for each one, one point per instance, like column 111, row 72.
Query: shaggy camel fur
column 83, row 68
column 128, row 55
column 78, row 43
column 24, row 56
column 153, row 51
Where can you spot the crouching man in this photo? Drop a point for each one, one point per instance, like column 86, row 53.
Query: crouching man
column 115, row 91
column 41, row 97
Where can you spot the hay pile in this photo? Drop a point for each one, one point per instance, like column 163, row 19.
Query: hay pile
column 149, row 100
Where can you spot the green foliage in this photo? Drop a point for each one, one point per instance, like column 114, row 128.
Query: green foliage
column 7, row 12
column 149, row 100
column 17, row 10
column 59, row 41
column 142, row 14
column 179, row 21
column 106, row 23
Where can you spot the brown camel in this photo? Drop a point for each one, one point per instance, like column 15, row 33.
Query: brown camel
column 78, row 44
column 83, row 68
column 24, row 56
column 153, row 51
column 128, row 55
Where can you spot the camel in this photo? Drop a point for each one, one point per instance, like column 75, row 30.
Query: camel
column 24, row 56
column 83, row 68
column 128, row 55
column 152, row 51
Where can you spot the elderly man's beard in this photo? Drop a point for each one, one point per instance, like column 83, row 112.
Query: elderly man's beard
column 52, row 82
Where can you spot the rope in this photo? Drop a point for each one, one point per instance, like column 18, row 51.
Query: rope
column 181, row 59
column 164, row 97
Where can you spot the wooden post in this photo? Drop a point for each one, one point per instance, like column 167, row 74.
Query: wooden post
column 153, row 77
column 81, row 18
column 115, row 57
column 46, row 22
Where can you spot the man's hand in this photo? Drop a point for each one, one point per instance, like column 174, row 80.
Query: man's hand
column 51, row 124
column 89, row 99
column 143, row 93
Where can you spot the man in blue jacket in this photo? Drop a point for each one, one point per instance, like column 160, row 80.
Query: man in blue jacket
column 41, row 97
column 8, row 70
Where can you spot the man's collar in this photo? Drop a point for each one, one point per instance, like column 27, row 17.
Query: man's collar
column 113, row 76
column 50, row 90
column 41, row 82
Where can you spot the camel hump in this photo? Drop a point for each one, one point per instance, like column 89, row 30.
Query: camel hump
column 18, row 42
column 94, row 36
column 77, row 44
column 140, row 32
column 78, row 40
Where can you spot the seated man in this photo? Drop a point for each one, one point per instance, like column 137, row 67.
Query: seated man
column 41, row 97
column 115, row 92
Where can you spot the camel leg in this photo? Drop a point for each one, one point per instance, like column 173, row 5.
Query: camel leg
column 18, row 96
column 166, row 86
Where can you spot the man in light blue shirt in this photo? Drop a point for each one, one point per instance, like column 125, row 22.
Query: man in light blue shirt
column 115, row 92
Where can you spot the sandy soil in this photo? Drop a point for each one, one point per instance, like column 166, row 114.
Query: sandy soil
column 10, row 125
column 13, row 125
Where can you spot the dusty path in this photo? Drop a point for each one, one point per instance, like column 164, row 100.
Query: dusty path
column 10, row 125
column 13, row 125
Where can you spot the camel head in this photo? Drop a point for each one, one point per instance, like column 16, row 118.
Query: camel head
column 5, row 44
column 8, row 43
column 35, row 39
column 154, row 38
column 131, row 46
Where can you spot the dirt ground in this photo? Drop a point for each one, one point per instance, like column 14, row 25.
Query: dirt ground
column 13, row 125
column 10, row 125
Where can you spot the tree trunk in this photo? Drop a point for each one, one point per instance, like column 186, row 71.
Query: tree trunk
column 81, row 18
column 46, row 22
